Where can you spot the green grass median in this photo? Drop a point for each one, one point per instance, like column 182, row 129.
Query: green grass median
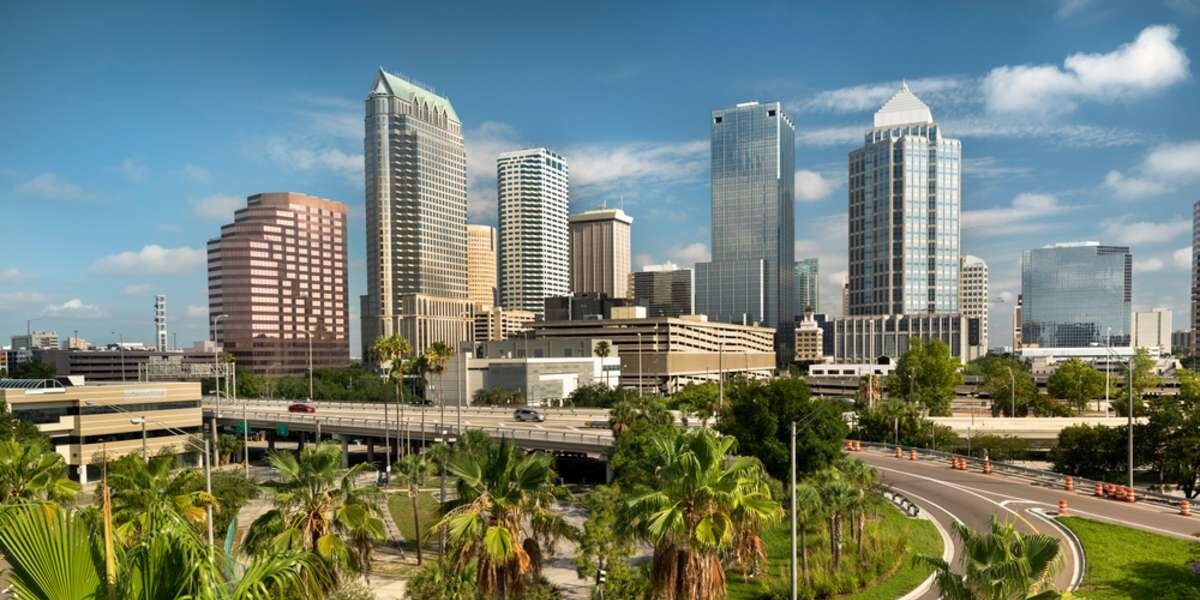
column 1125, row 563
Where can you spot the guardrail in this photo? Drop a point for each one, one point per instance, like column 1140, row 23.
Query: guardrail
column 1036, row 476
column 903, row 503
column 210, row 401
column 425, row 431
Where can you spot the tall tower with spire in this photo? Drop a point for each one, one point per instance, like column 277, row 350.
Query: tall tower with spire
column 905, row 196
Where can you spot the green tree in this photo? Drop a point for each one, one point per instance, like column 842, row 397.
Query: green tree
column 34, row 368
column 12, row 428
column 759, row 415
column 1143, row 379
column 436, row 581
column 1001, row 564
column 1091, row 451
column 436, row 356
column 411, row 472
column 145, row 490
column 881, row 424
column 229, row 445
column 232, row 490
column 700, row 399
column 1000, row 375
column 497, row 397
column 33, row 472
column 1077, row 382
column 927, row 375
column 391, row 352
column 598, row 395
column 689, row 515
column 635, row 424
column 809, row 509
column 602, row 349
column 607, row 540
column 501, row 493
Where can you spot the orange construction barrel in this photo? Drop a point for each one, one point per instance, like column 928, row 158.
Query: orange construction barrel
column 898, row 452
column 1070, row 483
column 1185, row 508
column 912, row 454
column 1062, row 507
column 1130, row 495
column 987, row 467
column 1099, row 490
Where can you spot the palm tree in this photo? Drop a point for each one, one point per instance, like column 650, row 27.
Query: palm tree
column 1000, row 564
column 809, row 508
column 31, row 471
column 689, row 518
column 602, row 349
column 500, row 491
column 56, row 552
column 412, row 471
column 392, row 350
column 753, row 511
column 862, row 477
column 319, row 507
column 142, row 491
column 435, row 357
column 839, row 497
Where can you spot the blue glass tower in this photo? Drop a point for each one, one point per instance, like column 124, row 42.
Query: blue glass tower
column 1076, row 295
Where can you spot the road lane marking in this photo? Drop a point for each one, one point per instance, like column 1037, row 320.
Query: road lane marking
column 1078, row 556
column 947, row 544
column 966, row 491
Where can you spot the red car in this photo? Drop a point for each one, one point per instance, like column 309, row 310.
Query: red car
column 302, row 408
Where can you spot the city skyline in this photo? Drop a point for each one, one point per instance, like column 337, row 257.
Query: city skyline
column 1120, row 152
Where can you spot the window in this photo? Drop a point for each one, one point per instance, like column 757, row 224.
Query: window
column 717, row 120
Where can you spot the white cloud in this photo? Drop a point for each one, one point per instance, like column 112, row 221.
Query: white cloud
column 196, row 312
column 1150, row 63
column 137, row 289
column 687, row 255
column 484, row 144
column 219, row 207
column 50, row 185
column 641, row 260
column 868, row 97
column 302, row 155
column 811, row 185
column 11, row 300
column 1144, row 232
column 10, row 274
column 1027, row 212
column 1149, row 264
column 1132, row 188
column 1177, row 161
column 987, row 127
column 152, row 259
column 133, row 171
column 196, row 173
column 1069, row 8
column 337, row 117
column 73, row 308
column 1182, row 258
column 988, row 167
column 636, row 163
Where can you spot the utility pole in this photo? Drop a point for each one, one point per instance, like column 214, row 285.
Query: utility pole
column 1129, row 422
column 792, row 495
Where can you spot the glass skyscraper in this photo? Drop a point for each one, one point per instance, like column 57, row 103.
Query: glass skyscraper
column 750, row 277
column 1075, row 295
column 808, row 286
column 904, row 201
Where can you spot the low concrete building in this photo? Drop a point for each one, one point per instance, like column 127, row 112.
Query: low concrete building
column 865, row 339
column 129, row 365
column 583, row 306
column 542, row 371
column 665, row 354
column 88, row 422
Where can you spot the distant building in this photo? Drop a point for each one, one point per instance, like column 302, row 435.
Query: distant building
column 665, row 290
column 845, row 297
column 809, row 346
column 279, row 273
column 1181, row 341
column 130, row 364
column 904, row 206
column 808, row 285
column 481, row 264
column 160, row 322
column 600, row 252
column 533, row 201
column 543, row 372
column 973, row 295
column 1016, row 324
column 493, row 323
column 36, row 340
column 415, row 169
column 866, row 339
column 582, row 306
column 664, row 354
column 74, row 342
column 87, row 422
column 1076, row 295
column 1152, row 329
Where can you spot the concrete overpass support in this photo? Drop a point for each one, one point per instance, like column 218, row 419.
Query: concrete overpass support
column 370, row 450
column 345, row 450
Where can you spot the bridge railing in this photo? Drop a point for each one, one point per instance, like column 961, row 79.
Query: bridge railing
column 902, row 502
column 427, row 430
column 1036, row 476
column 210, row 402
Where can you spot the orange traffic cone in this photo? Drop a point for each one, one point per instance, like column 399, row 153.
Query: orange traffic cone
column 899, row 453
column 1185, row 508
column 1070, row 483
column 1062, row 507
column 912, row 454
column 987, row 467
column 1130, row 495
column 1099, row 490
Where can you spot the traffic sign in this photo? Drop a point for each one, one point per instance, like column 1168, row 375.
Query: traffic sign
column 281, row 430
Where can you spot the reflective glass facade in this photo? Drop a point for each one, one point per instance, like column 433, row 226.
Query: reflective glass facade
column 808, row 286
column 753, row 180
column 1076, row 295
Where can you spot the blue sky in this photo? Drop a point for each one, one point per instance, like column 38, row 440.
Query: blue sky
column 130, row 132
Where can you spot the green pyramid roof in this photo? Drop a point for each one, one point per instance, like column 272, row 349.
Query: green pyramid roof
column 403, row 88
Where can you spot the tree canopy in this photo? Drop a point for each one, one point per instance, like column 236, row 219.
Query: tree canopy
column 1077, row 382
column 926, row 375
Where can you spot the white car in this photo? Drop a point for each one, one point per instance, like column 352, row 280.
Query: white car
column 528, row 414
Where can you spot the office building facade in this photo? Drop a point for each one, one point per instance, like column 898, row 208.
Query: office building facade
column 808, row 285
column 533, row 207
column 279, row 275
column 750, row 278
column 1076, row 295
column 601, row 256
column 904, row 221
column 494, row 323
column 577, row 307
column 35, row 340
column 665, row 290
column 481, row 265
column 1152, row 329
column 867, row 339
column 416, row 212
column 973, row 294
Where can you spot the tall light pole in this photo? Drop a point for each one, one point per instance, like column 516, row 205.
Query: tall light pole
column 142, row 421
column 1012, row 387
column 720, row 376
column 216, row 378
column 1129, row 422
column 639, row 339
column 120, row 350
column 792, row 495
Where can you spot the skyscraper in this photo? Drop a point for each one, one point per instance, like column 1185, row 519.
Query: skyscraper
column 1076, row 295
column 1196, row 279
column 904, row 202
column 278, row 272
column 481, row 264
column 416, row 208
column 160, row 322
column 973, row 293
column 532, row 186
column 600, row 252
column 750, row 277
column 665, row 290
column 808, row 285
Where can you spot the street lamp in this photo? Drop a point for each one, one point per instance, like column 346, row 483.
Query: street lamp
column 216, row 379
column 142, row 421
column 444, row 436
column 792, row 494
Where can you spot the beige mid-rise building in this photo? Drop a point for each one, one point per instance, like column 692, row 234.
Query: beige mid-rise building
column 1152, row 329
column 973, row 300
column 809, row 340
column 277, row 284
column 493, row 323
column 600, row 252
column 481, row 264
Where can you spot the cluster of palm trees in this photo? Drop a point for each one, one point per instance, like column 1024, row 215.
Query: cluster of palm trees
column 841, row 498
column 395, row 356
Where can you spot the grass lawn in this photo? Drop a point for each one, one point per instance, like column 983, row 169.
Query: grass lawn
column 1124, row 563
column 900, row 575
column 401, row 508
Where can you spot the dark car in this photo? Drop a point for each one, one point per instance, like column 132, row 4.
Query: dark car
column 302, row 408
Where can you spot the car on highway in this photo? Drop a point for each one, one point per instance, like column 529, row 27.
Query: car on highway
column 300, row 407
column 528, row 414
